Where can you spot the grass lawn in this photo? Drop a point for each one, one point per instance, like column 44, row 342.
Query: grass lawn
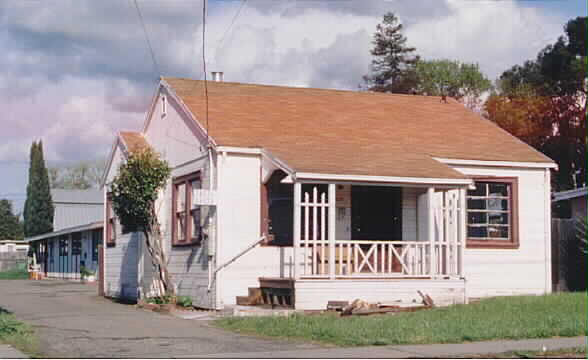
column 516, row 317
column 17, row 334
column 14, row 275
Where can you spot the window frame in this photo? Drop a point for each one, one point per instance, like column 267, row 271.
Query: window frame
column 185, row 180
column 513, row 217
column 110, row 222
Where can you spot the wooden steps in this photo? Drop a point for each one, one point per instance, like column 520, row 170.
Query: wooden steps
column 271, row 292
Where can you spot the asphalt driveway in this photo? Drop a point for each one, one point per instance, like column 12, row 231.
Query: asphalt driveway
column 72, row 321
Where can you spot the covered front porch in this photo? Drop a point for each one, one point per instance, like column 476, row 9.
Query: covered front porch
column 360, row 239
column 330, row 243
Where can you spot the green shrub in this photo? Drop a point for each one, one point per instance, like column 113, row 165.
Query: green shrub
column 184, row 301
column 85, row 272
column 159, row 300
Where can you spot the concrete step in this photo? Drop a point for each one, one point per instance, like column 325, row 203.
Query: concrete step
column 240, row 310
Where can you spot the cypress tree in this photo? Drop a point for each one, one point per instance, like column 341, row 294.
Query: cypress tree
column 27, row 207
column 39, row 211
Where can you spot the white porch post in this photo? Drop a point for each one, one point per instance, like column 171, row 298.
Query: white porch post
column 297, row 195
column 332, row 230
column 431, row 230
column 462, row 228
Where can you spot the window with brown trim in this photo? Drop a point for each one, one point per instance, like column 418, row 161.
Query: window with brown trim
column 186, row 216
column 492, row 213
column 110, row 222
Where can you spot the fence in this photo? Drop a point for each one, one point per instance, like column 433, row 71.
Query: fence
column 568, row 261
column 13, row 260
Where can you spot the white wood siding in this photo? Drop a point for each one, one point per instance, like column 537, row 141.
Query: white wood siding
column 491, row 272
column 240, row 187
column 173, row 137
column 121, row 266
column 315, row 294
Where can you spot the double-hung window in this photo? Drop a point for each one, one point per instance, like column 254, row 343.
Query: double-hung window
column 187, row 217
column 492, row 214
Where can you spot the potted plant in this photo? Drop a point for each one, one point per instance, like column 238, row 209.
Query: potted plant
column 87, row 275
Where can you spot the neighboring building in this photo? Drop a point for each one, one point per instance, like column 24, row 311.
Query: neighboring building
column 574, row 201
column 353, row 195
column 76, row 207
column 13, row 246
column 77, row 234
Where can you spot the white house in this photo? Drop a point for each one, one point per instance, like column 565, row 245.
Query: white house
column 323, row 195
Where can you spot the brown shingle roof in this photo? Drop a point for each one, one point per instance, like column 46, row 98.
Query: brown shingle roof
column 346, row 132
column 134, row 141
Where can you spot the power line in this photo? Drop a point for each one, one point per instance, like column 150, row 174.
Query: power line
column 204, row 63
column 231, row 24
column 156, row 67
column 237, row 13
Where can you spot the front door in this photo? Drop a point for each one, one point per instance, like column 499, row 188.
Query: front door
column 376, row 213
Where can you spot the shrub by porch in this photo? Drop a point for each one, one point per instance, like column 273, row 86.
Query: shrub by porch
column 518, row 317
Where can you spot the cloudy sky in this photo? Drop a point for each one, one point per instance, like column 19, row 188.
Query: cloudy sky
column 73, row 72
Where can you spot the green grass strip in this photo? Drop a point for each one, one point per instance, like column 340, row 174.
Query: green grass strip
column 14, row 275
column 516, row 317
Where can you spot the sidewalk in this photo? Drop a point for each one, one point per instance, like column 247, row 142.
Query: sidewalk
column 415, row 351
column 8, row 352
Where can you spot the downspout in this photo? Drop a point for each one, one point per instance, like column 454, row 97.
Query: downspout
column 211, row 187
column 213, row 276
column 547, row 233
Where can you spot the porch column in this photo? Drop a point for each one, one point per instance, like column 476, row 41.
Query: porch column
column 332, row 230
column 462, row 228
column 431, row 230
column 297, row 196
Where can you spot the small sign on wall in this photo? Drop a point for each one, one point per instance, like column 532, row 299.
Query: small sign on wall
column 343, row 196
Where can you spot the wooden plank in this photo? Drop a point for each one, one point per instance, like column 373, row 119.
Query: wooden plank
column 276, row 283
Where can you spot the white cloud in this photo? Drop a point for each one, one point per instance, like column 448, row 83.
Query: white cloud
column 76, row 71
column 495, row 34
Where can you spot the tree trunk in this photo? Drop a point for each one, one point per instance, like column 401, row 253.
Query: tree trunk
column 163, row 282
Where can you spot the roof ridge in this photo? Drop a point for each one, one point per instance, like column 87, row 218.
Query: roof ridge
column 346, row 91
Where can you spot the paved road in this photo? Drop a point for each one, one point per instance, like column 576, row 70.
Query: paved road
column 73, row 322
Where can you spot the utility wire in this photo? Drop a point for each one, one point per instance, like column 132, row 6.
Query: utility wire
column 222, row 40
column 204, row 64
column 155, row 66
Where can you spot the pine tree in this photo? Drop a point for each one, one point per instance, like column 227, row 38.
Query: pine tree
column 38, row 212
column 392, row 68
column 10, row 226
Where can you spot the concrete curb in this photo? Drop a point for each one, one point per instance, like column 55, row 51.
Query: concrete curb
column 416, row 351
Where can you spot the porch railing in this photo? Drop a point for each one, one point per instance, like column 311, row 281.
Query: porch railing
column 318, row 254
column 394, row 259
